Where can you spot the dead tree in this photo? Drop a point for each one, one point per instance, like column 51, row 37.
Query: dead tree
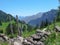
column 17, row 21
column 11, row 25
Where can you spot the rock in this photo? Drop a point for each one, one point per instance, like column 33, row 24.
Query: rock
column 39, row 43
column 11, row 41
column 20, row 38
column 36, row 37
column 30, row 40
column 40, row 34
column 26, row 42
column 46, row 34
column 16, row 43
column 57, row 28
column 38, row 31
column 44, row 29
column 42, row 39
column 1, row 39
column 4, row 37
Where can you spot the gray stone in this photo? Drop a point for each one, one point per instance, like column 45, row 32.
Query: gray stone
column 42, row 39
column 57, row 28
column 36, row 37
column 38, row 31
column 3, row 37
column 40, row 43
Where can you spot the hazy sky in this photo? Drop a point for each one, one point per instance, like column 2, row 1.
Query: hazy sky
column 27, row 7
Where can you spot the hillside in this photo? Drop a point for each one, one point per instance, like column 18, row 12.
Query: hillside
column 50, row 27
column 39, row 17
column 33, row 17
column 27, row 33
column 53, row 39
column 4, row 16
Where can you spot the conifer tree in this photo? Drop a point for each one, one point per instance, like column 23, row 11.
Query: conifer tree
column 0, row 23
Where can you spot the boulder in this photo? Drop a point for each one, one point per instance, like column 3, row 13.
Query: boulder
column 46, row 34
column 25, row 42
column 36, row 37
column 31, row 41
column 20, row 38
column 57, row 28
column 39, row 43
column 4, row 37
column 39, row 31
column 16, row 43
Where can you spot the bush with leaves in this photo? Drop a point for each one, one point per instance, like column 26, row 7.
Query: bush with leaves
column 8, row 30
column 51, row 39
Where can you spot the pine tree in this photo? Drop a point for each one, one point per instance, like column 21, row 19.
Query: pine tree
column 0, row 23
column 46, row 23
column 42, row 24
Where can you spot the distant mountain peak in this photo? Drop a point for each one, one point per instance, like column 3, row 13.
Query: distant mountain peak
column 37, row 18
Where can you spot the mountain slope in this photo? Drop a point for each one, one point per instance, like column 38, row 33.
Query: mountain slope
column 29, row 18
column 4, row 16
column 5, row 23
column 50, row 15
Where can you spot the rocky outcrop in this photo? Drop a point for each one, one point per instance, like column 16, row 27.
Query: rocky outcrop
column 57, row 28
column 3, row 37
column 36, row 39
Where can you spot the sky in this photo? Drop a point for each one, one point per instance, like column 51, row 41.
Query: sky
column 27, row 7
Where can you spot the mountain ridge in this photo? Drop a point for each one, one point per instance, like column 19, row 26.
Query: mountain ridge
column 36, row 19
column 4, row 16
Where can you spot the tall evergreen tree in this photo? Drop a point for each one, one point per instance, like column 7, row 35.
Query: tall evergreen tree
column 46, row 23
column 42, row 24
column 0, row 23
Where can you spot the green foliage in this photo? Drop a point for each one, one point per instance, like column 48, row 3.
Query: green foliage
column 54, row 38
column 58, row 38
column 45, row 24
column 1, row 31
column 28, row 33
column 42, row 24
column 0, row 23
column 4, row 17
column 3, row 43
column 58, row 14
column 29, row 28
column 51, row 39
column 8, row 30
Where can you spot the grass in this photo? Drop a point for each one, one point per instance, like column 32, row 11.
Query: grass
column 27, row 34
column 3, row 43
column 58, row 39
column 52, row 25
column 53, row 40
column 4, row 25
